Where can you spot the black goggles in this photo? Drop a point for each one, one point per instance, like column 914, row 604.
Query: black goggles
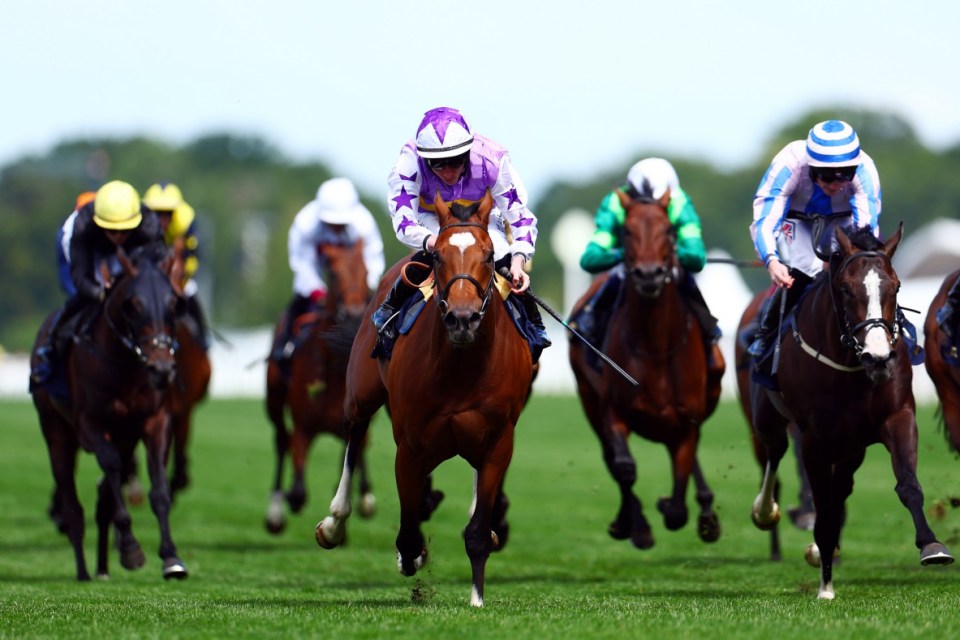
column 443, row 163
column 833, row 174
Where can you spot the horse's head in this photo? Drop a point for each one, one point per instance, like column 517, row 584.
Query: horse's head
column 864, row 287
column 649, row 243
column 463, row 265
column 348, row 293
column 142, row 309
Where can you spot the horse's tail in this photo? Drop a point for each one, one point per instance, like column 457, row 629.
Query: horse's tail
column 340, row 337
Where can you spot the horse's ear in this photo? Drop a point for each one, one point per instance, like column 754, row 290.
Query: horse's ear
column 845, row 245
column 624, row 199
column 890, row 246
column 664, row 200
column 443, row 211
column 486, row 206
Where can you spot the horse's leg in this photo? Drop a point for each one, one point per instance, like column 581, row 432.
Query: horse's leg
column 104, row 518
column 950, row 410
column 431, row 499
column 708, row 525
column 771, row 429
column 62, row 448
column 900, row 438
column 368, row 502
column 157, row 443
column 180, row 428
column 276, row 519
column 299, row 450
column 479, row 537
column 682, row 459
column 332, row 530
column 630, row 521
column 498, row 519
column 411, row 476
column 132, row 489
column 804, row 515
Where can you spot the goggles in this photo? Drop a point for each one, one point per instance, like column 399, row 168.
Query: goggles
column 833, row 174
column 443, row 163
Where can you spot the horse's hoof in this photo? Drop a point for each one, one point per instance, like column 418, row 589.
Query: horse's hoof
column 803, row 520
column 408, row 569
column 326, row 539
column 500, row 533
column 174, row 568
column 618, row 531
column 133, row 492
column 296, row 501
column 275, row 526
column 133, row 559
column 708, row 527
column 765, row 523
column 674, row 519
column 935, row 553
column 367, row 506
column 642, row 539
column 812, row 555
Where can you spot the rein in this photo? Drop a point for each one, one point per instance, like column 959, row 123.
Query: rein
column 127, row 339
column 484, row 292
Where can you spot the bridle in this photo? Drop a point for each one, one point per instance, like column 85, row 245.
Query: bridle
column 127, row 337
column 848, row 333
column 485, row 292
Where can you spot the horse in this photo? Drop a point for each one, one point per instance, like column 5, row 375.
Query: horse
column 655, row 337
column 804, row 515
column 314, row 387
column 845, row 379
column 454, row 386
column 945, row 376
column 119, row 375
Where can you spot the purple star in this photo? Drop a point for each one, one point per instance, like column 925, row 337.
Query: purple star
column 412, row 178
column 404, row 223
column 404, row 199
column 522, row 222
column 511, row 197
column 524, row 238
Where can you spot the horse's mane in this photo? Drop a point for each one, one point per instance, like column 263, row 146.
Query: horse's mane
column 462, row 212
column 863, row 238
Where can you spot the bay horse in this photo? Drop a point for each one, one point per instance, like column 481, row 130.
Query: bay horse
column 119, row 375
column 945, row 376
column 655, row 337
column 803, row 516
column 314, row 387
column 845, row 378
column 454, row 386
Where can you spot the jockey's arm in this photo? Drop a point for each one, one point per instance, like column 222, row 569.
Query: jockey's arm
column 604, row 250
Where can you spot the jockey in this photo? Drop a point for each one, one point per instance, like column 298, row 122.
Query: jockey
column 115, row 218
column 811, row 187
column 336, row 217
column 179, row 227
column 446, row 157
column 63, row 244
column 651, row 178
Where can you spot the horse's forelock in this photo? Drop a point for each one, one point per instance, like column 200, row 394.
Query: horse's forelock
column 863, row 238
column 463, row 212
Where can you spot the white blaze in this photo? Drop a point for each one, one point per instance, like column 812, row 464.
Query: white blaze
column 462, row 241
column 875, row 342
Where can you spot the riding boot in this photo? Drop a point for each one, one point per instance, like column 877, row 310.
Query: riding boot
column 284, row 346
column 53, row 345
column 708, row 324
column 382, row 317
column 533, row 315
column 769, row 322
column 947, row 316
column 196, row 312
column 591, row 321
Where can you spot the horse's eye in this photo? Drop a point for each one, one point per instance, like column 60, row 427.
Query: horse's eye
column 490, row 257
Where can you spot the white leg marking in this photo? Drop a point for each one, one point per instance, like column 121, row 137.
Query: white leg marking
column 275, row 508
column 475, row 599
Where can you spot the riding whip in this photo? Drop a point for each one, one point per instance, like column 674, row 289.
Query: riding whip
column 735, row 262
column 543, row 305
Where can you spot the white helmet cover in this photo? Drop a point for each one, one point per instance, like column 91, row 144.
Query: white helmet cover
column 652, row 177
column 337, row 201
column 443, row 133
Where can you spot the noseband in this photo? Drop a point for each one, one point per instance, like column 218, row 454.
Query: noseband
column 483, row 292
column 847, row 332
column 128, row 339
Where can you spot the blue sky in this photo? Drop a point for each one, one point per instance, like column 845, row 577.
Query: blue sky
column 571, row 88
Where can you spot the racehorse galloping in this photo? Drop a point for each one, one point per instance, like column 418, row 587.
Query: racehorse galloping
column 119, row 377
column 455, row 385
column 655, row 337
column 845, row 378
column 804, row 515
column 943, row 363
column 314, row 387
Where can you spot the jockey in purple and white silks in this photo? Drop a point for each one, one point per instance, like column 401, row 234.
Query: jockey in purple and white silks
column 445, row 156
column 811, row 187
column 412, row 185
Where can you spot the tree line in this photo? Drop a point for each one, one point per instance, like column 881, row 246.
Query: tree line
column 246, row 193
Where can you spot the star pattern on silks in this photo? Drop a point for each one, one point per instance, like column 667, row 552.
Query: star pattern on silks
column 404, row 199
column 522, row 222
column 412, row 178
column 511, row 196
column 404, row 223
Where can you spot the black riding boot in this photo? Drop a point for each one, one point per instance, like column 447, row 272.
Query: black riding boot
column 708, row 324
column 383, row 317
column 591, row 321
column 770, row 322
column 54, row 344
column 195, row 311
column 533, row 314
column 284, row 346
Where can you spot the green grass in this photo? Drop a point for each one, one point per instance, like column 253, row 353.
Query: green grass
column 560, row 574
